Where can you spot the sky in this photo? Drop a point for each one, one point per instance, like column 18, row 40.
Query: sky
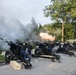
column 20, row 12
column 24, row 10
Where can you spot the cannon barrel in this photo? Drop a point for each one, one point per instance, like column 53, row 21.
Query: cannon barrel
column 5, row 40
column 10, row 43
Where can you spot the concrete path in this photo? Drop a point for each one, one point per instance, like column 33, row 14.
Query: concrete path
column 42, row 66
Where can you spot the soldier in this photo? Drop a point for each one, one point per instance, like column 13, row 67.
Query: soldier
column 23, row 49
column 29, row 48
column 74, row 45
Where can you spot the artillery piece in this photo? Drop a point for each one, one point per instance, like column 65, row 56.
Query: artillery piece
column 65, row 48
column 41, row 50
column 15, row 52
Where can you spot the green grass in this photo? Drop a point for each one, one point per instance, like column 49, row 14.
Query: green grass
column 2, row 58
column 71, row 40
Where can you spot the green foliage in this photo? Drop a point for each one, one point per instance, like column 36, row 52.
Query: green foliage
column 63, row 12
column 29, row 31
column 46, row 28
column 35, row 25
column 56, row 25
column 52, row 30
column 18, row 41
column 74, row 27
column 69, row 31
column 2, row 58
column 0, row 51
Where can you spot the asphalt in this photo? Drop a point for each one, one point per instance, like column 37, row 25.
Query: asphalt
column 42, row 66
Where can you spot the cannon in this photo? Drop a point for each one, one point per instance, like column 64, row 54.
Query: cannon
column 15, row 52
column 65, row 48
column 41, row 50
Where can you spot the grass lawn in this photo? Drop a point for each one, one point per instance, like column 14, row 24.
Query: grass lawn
column 2, row 58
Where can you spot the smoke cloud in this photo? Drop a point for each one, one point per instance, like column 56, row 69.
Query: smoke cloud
column 13, row 29
column 15, row 14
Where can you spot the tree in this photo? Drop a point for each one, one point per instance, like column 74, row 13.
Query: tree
column 28, row 31
column 61, row 11
column 69, row 31
column 74, row 27
column 34, row 24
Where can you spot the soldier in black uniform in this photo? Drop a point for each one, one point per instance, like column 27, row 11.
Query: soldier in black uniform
column 74, row 45
column 23, row 49
column 29, row 47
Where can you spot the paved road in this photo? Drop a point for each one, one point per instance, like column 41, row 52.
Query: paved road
column 42, row 66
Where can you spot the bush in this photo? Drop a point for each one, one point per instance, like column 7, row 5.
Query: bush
column 0, row 51
column 2, row 58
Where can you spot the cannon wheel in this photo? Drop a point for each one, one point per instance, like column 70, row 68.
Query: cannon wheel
column 38, row 51
column 8, row 56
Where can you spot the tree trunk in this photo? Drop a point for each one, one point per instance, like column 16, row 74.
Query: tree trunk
column 62, row 32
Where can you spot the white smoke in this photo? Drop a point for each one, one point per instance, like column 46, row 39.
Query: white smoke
column 13, row 29
column 13, row 16
column 9, row 30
